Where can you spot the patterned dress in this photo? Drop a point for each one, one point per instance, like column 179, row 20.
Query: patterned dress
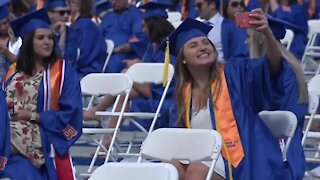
column 22, row 93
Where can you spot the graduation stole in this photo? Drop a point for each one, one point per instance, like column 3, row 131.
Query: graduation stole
column 222, row 117
column 55, row 76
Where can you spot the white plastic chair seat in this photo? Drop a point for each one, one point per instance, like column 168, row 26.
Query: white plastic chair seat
column 139, row 115
column 135, row 171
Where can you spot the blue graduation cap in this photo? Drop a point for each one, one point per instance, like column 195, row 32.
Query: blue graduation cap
column 4, row 12
column 101, row 6
column 55, row 3
column 187, row 30
column 30, row 22
column 155, row 9
column 279, row 26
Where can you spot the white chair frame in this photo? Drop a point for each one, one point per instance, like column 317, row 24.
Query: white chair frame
column 96, row 84
column 110, row 46
column 288, row 38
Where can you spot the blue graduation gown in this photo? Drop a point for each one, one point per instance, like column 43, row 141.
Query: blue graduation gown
column 92, row 46
column 299, row 17
column 51, row 130
column 286, row 97
column 233, row 39
column 140, row 104
column 4, row 132
column 124, row 28
column 250, row 90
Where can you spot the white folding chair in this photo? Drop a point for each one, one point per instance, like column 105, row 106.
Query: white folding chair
column 96, row 84
column 312, row 50
column 144, row 73
column 194, row 145
column 135, row 171
column 314, row 95
column 282, row 125
column 110, row 46
column 287, row 40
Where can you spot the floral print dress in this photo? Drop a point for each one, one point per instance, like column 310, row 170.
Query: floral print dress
column 22, row 93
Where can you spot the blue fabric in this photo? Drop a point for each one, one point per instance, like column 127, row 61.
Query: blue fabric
column 120, row 28
column 70, row 47
column 233, row 39
column 4, row 130
column 189, row 29
column 250, row 90
column 153, row 55
column 4, row 11
column 192, row 12
column 92, row 46
column 299, row 17
column 55, row 3
column 316, row 14
column 51, row 128
column 30, row 22
column 286, row 96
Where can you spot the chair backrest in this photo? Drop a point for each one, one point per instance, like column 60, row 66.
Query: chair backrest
column 194, row 145
column 282, row 125
column 182, row 144
column 151, row 73
column 313, row 25
column 287, row 40
column 314, row 84
column 135, row 171
column 106, row 83
column 110, row 46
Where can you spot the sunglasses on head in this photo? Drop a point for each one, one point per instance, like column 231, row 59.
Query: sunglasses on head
column 62, row 12
column 236, row 4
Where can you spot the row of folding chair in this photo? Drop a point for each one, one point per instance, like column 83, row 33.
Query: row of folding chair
column 118, row 84
column 166, row 144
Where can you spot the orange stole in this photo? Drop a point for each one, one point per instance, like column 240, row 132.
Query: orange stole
column 226, row 124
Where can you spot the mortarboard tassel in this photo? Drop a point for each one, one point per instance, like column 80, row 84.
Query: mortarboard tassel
column 166, row 64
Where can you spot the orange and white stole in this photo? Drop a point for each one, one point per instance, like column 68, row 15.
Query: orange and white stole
column 53, row 81
column 222, row 118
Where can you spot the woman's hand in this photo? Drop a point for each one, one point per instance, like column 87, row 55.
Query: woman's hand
column 261, row 22
column 24, row 115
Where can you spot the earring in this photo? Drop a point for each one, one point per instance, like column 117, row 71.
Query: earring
column 184, row 62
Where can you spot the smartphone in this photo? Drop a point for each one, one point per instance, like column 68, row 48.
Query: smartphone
column 242, row 20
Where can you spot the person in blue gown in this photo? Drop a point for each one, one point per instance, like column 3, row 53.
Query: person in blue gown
column 295, row 13
column 290, row 94
column 227, row 38
column 227, row 97
column 44, row 101
column 65, row 36
column 123, row 26
column 146, row 97
column 90, row 42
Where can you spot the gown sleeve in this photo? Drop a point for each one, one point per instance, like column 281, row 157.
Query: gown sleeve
column 63, row 128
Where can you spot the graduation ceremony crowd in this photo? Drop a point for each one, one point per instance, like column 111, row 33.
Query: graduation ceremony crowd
column 224, row 76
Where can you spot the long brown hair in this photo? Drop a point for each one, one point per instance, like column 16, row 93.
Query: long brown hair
column 292, row 60
column 183, row 76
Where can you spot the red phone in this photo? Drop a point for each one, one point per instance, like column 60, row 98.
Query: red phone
column 242, row 20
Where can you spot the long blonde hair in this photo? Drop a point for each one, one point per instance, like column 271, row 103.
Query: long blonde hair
column 258, row 50
column 183, row 76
